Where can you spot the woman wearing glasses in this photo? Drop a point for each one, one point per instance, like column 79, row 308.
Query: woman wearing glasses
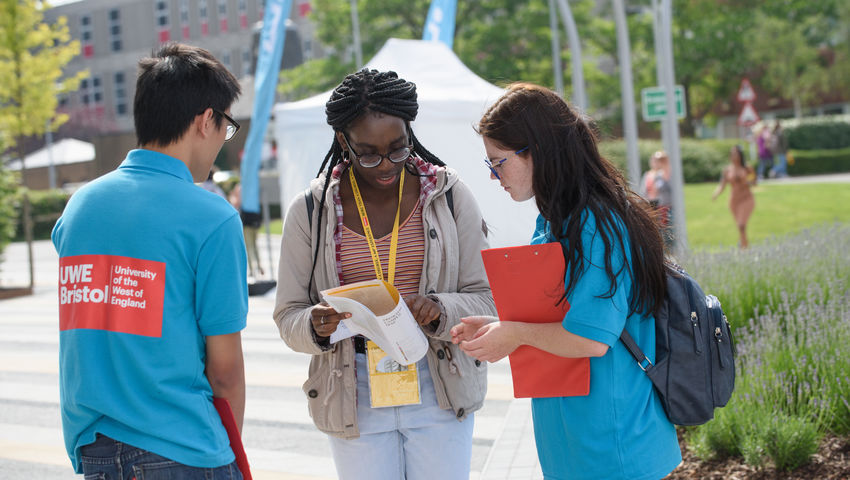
column 378, row 167
column 539, row 147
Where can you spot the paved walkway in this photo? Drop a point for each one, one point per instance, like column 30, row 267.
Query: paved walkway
column 280, row 438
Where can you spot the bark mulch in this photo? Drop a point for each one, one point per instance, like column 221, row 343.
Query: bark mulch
column 831, row 462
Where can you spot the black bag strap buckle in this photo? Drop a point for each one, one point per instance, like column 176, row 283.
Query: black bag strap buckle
column 642, row 360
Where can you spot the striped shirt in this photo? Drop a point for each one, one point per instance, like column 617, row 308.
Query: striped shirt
column 427, row 186
column 357, row 259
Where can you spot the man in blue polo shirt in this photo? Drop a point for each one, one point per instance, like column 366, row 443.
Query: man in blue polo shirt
column 152, row 288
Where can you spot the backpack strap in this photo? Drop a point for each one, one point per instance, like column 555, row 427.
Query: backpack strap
column 643, row 362
column 450, row 199
column 308, row 198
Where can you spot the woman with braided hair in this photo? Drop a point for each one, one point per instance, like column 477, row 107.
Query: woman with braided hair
column 378, row 180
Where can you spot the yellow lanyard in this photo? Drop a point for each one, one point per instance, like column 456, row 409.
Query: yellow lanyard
column 370, row 239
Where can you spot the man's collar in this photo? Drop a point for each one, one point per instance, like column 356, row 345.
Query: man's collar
column 155, row 161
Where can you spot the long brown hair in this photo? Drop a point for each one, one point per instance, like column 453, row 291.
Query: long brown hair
column 571, row 177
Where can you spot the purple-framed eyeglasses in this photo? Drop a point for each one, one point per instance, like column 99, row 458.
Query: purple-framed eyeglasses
column 492, row 165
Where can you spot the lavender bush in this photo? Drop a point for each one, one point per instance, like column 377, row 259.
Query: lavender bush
column 751, row 281
column 792, row 306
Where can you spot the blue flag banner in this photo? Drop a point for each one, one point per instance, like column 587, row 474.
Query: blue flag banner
column 265, row 82
column 440, row 25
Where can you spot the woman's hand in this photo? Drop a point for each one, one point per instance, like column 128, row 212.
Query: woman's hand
column 468, row 328
column 325, row 319
column 481, row 339
column 424, row 309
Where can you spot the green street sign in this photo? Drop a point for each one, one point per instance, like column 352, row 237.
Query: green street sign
column 654, row 103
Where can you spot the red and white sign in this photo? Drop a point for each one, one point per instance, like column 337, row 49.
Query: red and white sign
column 746, row 93
column 748, row 116
column 108, row 292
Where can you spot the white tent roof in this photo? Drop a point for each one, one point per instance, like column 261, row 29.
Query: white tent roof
column 451, row 100
column 64, row 152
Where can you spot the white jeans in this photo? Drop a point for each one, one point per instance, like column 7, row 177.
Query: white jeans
column 412, row 442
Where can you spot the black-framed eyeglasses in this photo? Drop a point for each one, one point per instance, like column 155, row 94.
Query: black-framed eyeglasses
column 369, row 160
column 492, row 165
column 232, row 128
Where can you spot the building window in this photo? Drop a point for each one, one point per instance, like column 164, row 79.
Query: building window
column 84, row 91
column 203, row 16
column 222, row 15
column 87, row 36
column 115, row 30
column 247, row 61
column 184, row 18
column 162, row 20
column 225, row 59
column 91, row 92
column 304, row 8
column 97, row 90
column 120, row 94
column 242, row 6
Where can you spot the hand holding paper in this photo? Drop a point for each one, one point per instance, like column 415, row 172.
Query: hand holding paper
column 326, row 319
column 378, row 313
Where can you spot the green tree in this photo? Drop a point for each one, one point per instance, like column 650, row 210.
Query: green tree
column 8, row 214
column 792, row 67
column 32, row 55
column 710, row 53
column 502, row 41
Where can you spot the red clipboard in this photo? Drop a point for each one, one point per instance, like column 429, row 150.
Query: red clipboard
column 229, row 422
column 527, row 282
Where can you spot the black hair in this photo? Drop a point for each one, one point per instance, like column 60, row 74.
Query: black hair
column 570, row 176
column 367, row 91
column 741, row 155
column 175, row 84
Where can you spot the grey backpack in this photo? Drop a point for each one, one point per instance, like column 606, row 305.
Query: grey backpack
column 694, row 370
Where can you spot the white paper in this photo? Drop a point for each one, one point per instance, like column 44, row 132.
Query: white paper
column 396, row 332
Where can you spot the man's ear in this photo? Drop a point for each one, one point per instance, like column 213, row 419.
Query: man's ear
column 204, row 123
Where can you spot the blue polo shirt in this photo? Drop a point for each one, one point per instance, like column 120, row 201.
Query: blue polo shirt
column 619, row 430
column 150, row 265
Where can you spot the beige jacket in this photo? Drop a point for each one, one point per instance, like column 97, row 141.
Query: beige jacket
column 452, row 274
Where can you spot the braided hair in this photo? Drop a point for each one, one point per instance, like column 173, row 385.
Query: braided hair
column 361, row 93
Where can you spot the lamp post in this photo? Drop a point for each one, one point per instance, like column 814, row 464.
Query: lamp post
column 355, row 27
column 579, row 95
column 627, row 94
column 557, row 68
column 664, row 50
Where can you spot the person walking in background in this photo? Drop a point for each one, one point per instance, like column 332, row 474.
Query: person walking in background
column 779, row 148
column 378, row 175
column 655, row 187
column 152, row 288
column 251, row 222
column 739, row 176
column 764, row 140
column 539, row 147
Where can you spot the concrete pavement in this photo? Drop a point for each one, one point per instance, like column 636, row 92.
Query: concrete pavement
column 280, row 438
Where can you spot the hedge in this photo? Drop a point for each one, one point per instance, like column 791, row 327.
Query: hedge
column 811, row 162
column 702, row 160
column 822, row 135
column 8, row 207
column 47, row 206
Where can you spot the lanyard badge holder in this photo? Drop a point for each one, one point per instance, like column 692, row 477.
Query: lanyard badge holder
column 390, row 383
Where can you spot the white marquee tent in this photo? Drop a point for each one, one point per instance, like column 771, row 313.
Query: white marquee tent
column 63, row 152
column 451, row 100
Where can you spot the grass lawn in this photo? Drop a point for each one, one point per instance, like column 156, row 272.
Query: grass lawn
column 780, row 209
